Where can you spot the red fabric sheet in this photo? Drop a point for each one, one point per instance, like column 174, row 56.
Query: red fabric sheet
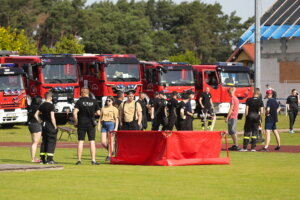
column 168, row 148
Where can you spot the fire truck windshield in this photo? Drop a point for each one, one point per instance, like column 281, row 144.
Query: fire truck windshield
column 122, row 72
column 238, row 79
column 11, row 82
column 60, row 73
column 177, row 78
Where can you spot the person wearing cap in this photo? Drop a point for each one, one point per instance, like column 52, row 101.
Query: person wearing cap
column 232, row 118
column 274, row 93
column 181, row 112
column 272, row 109
column 158, row 112
column 206, row 105
column 292, row 108
column 172, row 105
column 190, row 112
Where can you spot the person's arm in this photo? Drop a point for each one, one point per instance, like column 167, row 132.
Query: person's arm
column 288, row 104
column 120, row 114
column 99, row 121
column 211, row 103
column 200, row 102
column 53, row 120
column 246, row 110
column 229, row 112
column 182, row 115
column 279, row 108
column 152, row 112
column 75, row 119
column 37, row 116
column 139, row 113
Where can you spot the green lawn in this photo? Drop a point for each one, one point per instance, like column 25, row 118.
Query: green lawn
column 249, row 176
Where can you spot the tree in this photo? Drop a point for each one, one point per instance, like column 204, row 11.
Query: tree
column 188, row 57
column 65, row 45
column 12, row 40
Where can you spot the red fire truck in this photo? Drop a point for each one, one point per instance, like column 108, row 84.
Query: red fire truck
column 106, row 74
column 55, row 73
column 219, row 78
column 12, row 96
column 168, row 77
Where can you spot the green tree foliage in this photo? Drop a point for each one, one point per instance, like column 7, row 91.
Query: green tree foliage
column 151, row 29
column 188, row 57
column 65, row 45
column 12, row 40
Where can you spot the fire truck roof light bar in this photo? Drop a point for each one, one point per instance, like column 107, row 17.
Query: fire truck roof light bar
column 118, row 55
column 229, row 64
column 56, row 55
column 173, row 63
column 7, row 65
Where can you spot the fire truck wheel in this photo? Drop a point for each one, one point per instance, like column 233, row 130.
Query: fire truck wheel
column 7, row 125
column 240, row 116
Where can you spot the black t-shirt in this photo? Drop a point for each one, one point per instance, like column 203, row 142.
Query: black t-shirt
column 172, row 105
column 152, row 101
column 254, row 104
column 143, row 104
column 87, row 108
column 181, row 105
column 293, row 102
column 206, row 100
column 118, row 102
column 159, row 107
column 45, row 108
column 273, row 105
column 31, row 111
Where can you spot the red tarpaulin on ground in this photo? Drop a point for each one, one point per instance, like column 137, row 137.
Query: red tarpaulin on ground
column 168, row 148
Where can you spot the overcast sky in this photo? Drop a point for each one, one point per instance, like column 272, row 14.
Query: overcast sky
column 243, row 8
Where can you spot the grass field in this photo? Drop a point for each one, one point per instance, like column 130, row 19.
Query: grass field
column 249, row 176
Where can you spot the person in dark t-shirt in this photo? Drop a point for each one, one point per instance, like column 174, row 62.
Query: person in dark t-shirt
column 119, row 99
column 142, row 100
column 272, row 109
column 206, row 105
column 292, row 107
column 84, row 119
column 181, row 111
column 254, row 108
column 158, row 112
column 172, row 105
column 49, row 129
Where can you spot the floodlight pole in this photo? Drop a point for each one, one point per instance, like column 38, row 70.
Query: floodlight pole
column 257, row 44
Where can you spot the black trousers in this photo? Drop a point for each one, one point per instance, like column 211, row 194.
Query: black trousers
column 130, row 125
column 189, row 123
column 49, row 137
column 181, row 124
column 251, row 128
column 292, row 115
column 157, row 121
column 171, row 122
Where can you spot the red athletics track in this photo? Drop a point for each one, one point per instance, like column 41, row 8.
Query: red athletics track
column 284, row 149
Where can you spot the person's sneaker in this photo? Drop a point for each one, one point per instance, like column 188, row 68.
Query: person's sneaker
column 291, row 131
column 43, row 162
column 264, row 149
column 107, row 159
column 51, row 162
column 243, row 150
column 78, row 162
column 95, row 163
column 233, row 148
column 277, row 148
column 253, row 150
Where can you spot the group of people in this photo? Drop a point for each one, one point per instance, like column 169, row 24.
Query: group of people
column 117, row 114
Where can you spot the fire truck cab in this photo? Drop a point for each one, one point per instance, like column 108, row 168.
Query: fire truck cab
column 12, row 96
column 168, row 77
column 106, row 74
column 56, row 73
column 219, row 78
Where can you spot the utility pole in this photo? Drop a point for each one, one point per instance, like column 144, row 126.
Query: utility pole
column 257, row 44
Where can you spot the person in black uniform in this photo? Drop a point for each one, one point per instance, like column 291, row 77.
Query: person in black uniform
column 181, row 112
column 158, row 112
column 34, row 126
column 206, row 105
column 172, row 105
column 190, row 112
column 292, row 107
column 84, row 118
column 260, row 139
column 142, row 100
column 254, row 110
column 119, row 98
column 49, row 129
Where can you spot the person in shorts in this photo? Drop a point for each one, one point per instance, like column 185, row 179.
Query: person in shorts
column 109, row 120
column 84, row 118
column 232, row 118
column 34, row 126
column 272, row 108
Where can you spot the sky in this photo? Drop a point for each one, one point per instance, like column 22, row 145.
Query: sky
column 243, row 8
